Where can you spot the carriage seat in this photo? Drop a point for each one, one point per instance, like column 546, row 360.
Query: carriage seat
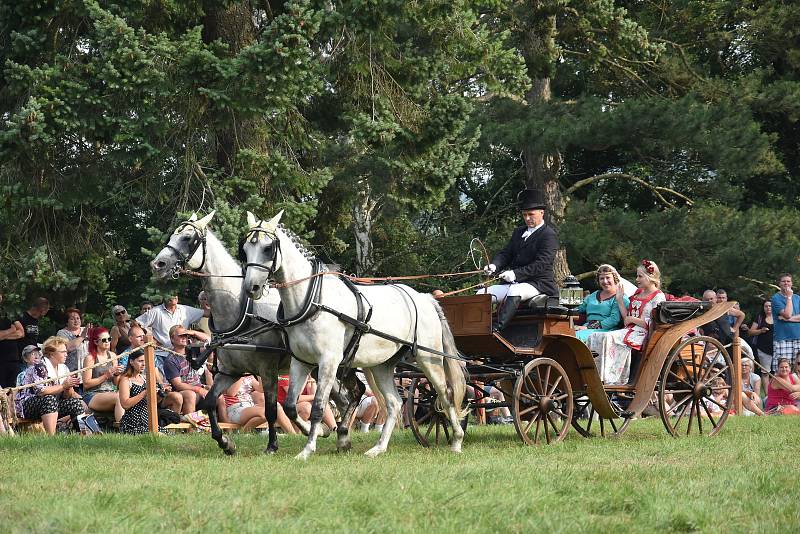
column 544, row 305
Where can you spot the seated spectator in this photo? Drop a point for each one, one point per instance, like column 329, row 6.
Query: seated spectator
column 240, row 407
column 100, row 383
column 761, row 334
column 369, row 410
column 751, row 386
column 168, row 399
column 120, row 330
column 604, row 307
column 719, row 398
column 783, row 391
column 50, row 402
column 31, row 355
column 497, row 416
column 133, row 397
column 75, row 336
column 179, row 372
column 615, row 348
column 305, row 400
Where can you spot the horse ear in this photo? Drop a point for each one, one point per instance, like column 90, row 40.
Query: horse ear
column 251, row 220
column 272, row 224
column 193, row 217
column 202, row 223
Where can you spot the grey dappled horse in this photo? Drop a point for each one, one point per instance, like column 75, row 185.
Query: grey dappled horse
column 193, row 246
column 319, row 337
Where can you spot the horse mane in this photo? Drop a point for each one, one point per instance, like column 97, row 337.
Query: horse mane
column 298, row 242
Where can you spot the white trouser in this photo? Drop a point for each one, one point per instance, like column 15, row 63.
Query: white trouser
column 499, row 292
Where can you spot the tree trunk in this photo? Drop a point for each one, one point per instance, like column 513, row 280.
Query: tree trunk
column 542, row 169
column 363, row 212
column 233, row 25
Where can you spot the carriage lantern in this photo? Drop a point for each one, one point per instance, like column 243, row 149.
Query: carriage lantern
column 571, row 295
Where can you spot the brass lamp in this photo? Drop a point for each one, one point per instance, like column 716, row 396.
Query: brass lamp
column 571, row 294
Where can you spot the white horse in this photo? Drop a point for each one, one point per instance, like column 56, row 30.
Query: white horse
column 193, row 246
column 319, row 337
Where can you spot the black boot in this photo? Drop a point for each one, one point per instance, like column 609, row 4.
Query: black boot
column 506, row 312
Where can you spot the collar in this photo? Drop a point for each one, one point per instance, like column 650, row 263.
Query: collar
column 528, row 230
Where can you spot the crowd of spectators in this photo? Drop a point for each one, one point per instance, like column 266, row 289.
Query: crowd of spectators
column 113, row 377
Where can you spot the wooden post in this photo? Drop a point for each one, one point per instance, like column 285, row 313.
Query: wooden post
column 152, row 397
column 737, row 374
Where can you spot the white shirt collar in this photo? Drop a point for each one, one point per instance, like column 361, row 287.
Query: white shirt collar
column 529, row 231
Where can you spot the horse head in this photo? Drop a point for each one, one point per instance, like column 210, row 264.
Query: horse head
column 260, row 253
column 184, row 249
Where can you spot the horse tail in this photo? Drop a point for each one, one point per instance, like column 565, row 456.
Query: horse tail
column 455, row 372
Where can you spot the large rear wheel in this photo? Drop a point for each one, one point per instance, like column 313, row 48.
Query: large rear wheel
column 543, row 405
column 696, row 389
column 429, row 426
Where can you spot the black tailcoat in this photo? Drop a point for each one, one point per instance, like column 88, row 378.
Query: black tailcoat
column 531, row 259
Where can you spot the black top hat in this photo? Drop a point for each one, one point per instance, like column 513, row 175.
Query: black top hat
column 530, row 199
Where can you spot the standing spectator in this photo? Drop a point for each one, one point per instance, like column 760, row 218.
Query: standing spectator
column 10, row 332
column 30, row 323
column 145, row 307
column 119, row 332
column 202, row 324
column 100, row 383
column 722, row 296
column 164, row 316
column 786, row 321
column 761, row 334
column 49, row 402
column 75, row 336
column 179, row 373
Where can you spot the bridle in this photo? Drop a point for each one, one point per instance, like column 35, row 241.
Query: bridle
column 254, row 237
column 198, row 240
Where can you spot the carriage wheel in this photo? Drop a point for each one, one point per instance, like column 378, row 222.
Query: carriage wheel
column 695, row 392
column 543, row 404
column 583, row 420
column 429, row 426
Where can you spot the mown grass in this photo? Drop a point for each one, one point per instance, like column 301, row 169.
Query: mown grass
column 744, row 479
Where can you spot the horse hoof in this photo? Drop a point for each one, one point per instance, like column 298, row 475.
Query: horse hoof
column 303, row 455
column 373, row 452
column 344, row 447
column 270, row 450
column 227, row 445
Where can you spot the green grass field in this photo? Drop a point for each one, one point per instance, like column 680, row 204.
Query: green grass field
column 745, row 479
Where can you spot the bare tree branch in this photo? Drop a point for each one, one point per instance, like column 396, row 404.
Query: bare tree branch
column 656, row 189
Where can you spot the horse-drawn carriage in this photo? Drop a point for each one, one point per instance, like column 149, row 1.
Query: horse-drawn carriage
column 550, row 380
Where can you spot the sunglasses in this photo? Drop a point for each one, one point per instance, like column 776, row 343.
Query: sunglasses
column 104, row 339
column 120, row 312
column 182, row 335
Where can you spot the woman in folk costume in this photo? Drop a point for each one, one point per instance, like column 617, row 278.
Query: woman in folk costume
column 614, row 348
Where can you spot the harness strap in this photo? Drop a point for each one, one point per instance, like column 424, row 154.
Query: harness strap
column 309, row 307
column 361, row 317
column 245, row 314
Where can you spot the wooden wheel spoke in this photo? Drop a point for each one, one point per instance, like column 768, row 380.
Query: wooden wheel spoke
column 612, row 423
column 699, row 416
column 430, row 429
column 546, row 380
column 717, row 373
column 712, row 399
column 555, row 385
column 425, row 417
column 560, row 397
column 531, row 398
column 708, row 414
column 526, row 410
column 681, row 402
column 531, row 386
column 691, row 416
column 446, row 432
column 683, row 412
column 686, row 369
column 536, row 434
column 674, row 391
column 679, row 379
column 534, row 419
column 546, row 432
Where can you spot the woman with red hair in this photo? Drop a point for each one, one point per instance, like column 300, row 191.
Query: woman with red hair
column 100, row 383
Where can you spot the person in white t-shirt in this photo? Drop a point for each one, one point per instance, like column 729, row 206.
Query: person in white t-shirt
column 164, row 316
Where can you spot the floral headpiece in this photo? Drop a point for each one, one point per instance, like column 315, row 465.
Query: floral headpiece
column 649, row 266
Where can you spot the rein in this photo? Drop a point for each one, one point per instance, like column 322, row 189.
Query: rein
column 369, row 280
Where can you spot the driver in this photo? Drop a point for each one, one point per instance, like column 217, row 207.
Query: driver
column 526, row 263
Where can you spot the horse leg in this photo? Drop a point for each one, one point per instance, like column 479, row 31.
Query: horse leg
column 298, row 372
column 326, row 376
column 269, row 379
column 433, row 367
column 209, row 405
column 347, row 395
column 384, row 379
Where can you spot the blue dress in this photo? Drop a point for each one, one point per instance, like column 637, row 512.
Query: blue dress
column 604, row 311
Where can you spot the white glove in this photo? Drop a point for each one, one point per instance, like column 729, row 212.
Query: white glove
column 508, row 276
column 490, row 269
